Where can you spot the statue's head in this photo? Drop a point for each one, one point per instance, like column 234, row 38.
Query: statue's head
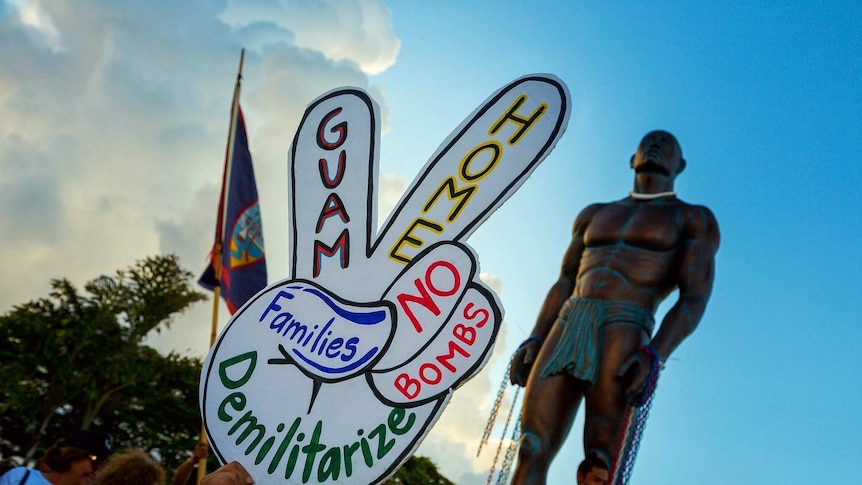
column 658, row 153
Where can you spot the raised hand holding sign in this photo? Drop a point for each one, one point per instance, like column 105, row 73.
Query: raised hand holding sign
column 336, row 374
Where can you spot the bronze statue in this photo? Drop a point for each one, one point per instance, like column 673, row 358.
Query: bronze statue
column 597, row 320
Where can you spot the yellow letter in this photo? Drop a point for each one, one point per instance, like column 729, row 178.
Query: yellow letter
column 409, row 239
column 450, row 185
column 526, row 123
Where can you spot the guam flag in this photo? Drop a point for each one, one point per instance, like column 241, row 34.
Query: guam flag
column 241, row 269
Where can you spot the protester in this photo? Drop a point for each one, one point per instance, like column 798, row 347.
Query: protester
column 231, row 474
column 60, row 465
column 187, row 472
column 131, row 467
column 592, row 471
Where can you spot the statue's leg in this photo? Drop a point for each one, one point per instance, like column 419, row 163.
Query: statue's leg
column 606, row 404
column 550, row 405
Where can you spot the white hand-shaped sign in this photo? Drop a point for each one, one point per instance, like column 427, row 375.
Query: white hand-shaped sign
column 336, row 374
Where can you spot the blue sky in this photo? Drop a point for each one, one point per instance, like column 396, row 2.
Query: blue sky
column 115, row 117
column 764, row 99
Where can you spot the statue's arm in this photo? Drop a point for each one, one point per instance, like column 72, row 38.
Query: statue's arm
column 563, row 288
column 696, row 273
column 560, row 291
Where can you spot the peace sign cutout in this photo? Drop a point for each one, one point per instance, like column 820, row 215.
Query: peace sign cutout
column 336, row 374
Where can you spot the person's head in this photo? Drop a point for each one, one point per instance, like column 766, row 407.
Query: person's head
column 132, row 467
column 592, row 471
column 658, row 153
column 67, row 465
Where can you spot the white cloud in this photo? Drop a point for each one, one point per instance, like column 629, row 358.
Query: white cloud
column 111, row 147
column 111, row 150
column 39, row 24
column 492, row 281
column 356, row 31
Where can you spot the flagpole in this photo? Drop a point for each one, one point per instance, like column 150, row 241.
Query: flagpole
column 218, row 250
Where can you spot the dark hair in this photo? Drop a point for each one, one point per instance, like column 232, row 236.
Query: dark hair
column 590, row 462
column 98, row 443
column 59, row 458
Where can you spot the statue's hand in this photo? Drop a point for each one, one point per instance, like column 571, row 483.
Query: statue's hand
column 522, row 362
column 638, row 364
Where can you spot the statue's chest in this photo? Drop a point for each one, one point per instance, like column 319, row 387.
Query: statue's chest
column 640, row 225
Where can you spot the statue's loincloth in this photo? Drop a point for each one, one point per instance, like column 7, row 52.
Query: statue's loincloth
column 577, row 351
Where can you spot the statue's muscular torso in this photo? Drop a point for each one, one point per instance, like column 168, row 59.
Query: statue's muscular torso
column 636, row 250
column 633, row 249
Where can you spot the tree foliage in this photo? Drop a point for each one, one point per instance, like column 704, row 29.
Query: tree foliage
column 77, row 361
column 418, row 470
